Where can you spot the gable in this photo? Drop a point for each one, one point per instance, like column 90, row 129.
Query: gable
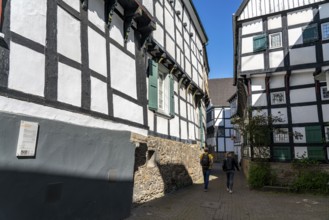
column 255, row 8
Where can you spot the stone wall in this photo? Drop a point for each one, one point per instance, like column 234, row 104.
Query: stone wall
column 163, row 166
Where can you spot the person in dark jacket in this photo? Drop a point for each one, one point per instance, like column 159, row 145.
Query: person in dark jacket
column 229, row 166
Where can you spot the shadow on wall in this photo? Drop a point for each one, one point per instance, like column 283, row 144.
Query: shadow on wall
column 54, row 197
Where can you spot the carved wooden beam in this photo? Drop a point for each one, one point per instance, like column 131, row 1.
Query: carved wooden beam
column 128, row 20
column 84, row 4
column 110, row 6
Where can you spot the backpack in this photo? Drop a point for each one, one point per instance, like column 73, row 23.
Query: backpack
column 205, row 161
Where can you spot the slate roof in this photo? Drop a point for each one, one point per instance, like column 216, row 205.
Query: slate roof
column 220, row 90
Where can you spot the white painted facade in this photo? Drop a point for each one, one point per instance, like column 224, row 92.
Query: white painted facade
column 280, row 50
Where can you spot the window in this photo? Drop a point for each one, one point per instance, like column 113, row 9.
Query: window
column 310, row 33
column 275, row 40
column 324, row 93
column 325, row 31
column 260, row 43
column 281, row 153
column 161, row 89
column 278, row 98
column 281, row 135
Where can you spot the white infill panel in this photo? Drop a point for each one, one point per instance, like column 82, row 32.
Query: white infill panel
column 170, row 45
column 131, row 42
column 259, row 99
column 302, row 78
column 74, row 4
column 325, row 113
column 183, row 108
column 123, row 72
column 302, row 95
column 97, row 52
column 191, row 133
column 325, row 49
column 183, row 125
column 299, row 17
column 148, row 4
column 162, row 125
column 324, row 11
column 174, row 127
column 26, row 70
column 99, row 102
column 258, row 84
column 302, row 55
column 69, row 85
column 299, row 134
column 169, row 24
column 295, row 36
column 276, row 59
column 254, row 62
column 247, row 45
column 301, row 152
column 158, row 35
column 125, row 109
column 299, row 114
column 116, row 29
column 277, row 81
column 28, row 19
column 96, row 13
column 252, row 27
column 68, row 35
column 274, row 22
column 150, row 119
column 281, row 113
column 159, row 12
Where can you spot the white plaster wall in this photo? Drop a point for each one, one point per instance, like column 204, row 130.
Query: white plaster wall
column 68, row 35
column 31, row 109
column 158, row 35
column 187, row 51
column 179, row 56
column 277, row 81
column 302, row 55
column 97, row 52
column 274, row 22
column 191, row 134
column 170, row 45
column 298, row 114
column 247, row 45
column 131, row 41
column 301, row 131
column 28, row 19
column 228, row 123
column 179, row 39
column 325, row 49
column 69, row 85
column 96, row 13
column 116, row 29
column 169, row 23
column 252, row 27
column 300, row 16
column 259, row 99
column 159, row 12
column 221, row 145
column 301, row 78
column 229, row 144
column 282, row 113
column 325, row 113
column 186, row 19
column 324, row 11
column 150, row 119
column 302, row 95
column 176, row 104
column 99, row 102
column 300, row 151
column 188, row 67
column 258, row 84
column 295, row 36
column 182, row 92
column 254, row 62
column 276, row 59
column 26, row 70
column 75, row 4
column 148, row 4
column 122, row 108
column 183, row 109
column 174, row 127
column 123, row 72
column 183, row 125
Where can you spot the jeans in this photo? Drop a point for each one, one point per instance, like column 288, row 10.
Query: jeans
column 206, row 174
column 229, row 179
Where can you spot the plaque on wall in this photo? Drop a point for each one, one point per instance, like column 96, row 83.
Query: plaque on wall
column 27, row 139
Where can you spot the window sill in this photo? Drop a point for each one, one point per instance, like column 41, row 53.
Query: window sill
column 163, row 114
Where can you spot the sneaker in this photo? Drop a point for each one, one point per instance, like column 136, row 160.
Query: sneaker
column 230, row 191
column 227, row 189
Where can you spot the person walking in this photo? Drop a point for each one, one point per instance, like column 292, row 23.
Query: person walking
column 229, row 166
column 206, row 161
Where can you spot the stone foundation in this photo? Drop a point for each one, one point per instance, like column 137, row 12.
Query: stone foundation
column 162, row 166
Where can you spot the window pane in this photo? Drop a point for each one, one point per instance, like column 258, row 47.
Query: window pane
column 310, row 33
column 325, row 31
column 275, row 40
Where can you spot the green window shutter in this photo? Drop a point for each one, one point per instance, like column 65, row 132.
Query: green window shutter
column 313, row 134
column 310, row 33
column 316, row 153
column 281, row 153
column 153, row 85
column 172, row 96
column 260, row 43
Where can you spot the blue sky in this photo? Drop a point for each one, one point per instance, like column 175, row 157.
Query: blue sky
column 216, row 17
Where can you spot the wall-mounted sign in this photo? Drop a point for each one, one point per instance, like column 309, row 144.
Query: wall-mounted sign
column 27, row 139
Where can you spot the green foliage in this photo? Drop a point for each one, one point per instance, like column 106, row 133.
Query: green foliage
column 304, row 162
column 260, row 174
column 310, row 181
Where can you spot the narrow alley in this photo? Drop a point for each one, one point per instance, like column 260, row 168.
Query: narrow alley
column 194, row 203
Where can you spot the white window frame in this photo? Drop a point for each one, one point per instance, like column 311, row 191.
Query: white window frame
column 270, row 40
column 324, row 96
column 163, row 90
column 322, row 30
column 281, row 135
column 274, row 101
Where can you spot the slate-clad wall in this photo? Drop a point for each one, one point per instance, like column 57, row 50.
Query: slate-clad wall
column 78, row 172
